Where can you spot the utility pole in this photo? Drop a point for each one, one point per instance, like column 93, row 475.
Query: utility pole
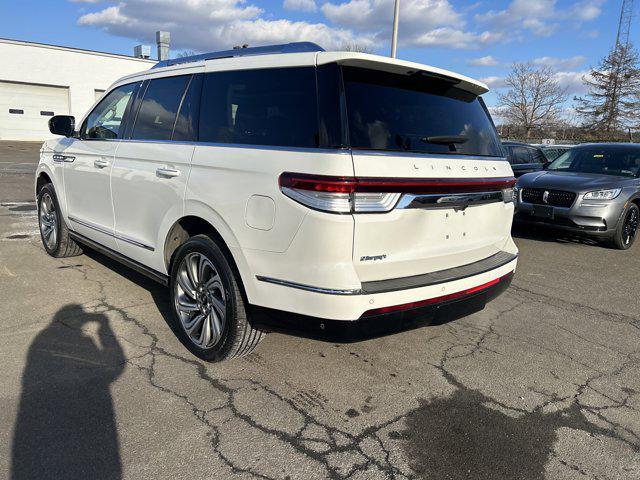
column 394, row 35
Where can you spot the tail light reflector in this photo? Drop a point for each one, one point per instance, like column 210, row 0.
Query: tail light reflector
column 433, row 301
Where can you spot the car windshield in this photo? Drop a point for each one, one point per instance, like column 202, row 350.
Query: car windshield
column 621, row 161
column 416, row 113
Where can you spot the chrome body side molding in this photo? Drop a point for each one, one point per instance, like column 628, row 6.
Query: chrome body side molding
column 118, row 236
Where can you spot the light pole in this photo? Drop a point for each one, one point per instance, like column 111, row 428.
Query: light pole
column 394, row 35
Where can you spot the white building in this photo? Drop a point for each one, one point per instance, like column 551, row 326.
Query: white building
column 38, row 81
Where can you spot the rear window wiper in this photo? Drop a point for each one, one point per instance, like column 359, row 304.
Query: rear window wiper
column 450, row 140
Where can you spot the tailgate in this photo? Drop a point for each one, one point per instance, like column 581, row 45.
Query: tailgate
column 428, row 232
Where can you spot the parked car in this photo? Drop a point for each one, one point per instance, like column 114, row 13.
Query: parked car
column 324, row 185
column 594, row 189
column 551, row 152
column 524, row 158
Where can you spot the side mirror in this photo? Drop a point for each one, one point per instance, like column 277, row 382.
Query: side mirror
column 62, row 125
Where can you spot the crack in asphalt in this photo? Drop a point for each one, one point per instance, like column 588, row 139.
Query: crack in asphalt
column 419, row 440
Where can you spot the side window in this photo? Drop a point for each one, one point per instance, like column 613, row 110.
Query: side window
column 157, row 115
column 537, row 156
column 509, row 152
column 105, row 120
column 520, row 155
column 187, row 121
column 275, row 107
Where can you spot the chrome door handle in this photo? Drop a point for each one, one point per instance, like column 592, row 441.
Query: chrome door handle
column 101, row 163
column 63, row 158
column 167, row 172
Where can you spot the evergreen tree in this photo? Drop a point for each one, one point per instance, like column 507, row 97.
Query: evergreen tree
column 613, row 101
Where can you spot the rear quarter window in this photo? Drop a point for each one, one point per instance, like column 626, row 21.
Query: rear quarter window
column 275, row 107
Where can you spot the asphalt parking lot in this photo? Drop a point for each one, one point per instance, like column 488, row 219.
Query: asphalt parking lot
column 542, row 384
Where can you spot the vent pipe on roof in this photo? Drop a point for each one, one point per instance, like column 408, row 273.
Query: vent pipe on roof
column 162, row 40
column 142, row 51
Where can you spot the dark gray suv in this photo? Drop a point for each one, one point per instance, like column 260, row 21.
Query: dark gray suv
column 592, row 188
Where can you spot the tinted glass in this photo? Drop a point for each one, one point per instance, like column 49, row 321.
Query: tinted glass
column 520, row 155
column 105, row 120
column 608, row 160
column 330, row 123
column 537, row 156
column 157, row 114
column 260, row 107
column 416, row 113
column 187, row 121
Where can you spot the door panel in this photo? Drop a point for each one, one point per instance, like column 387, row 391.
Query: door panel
column 145, row 191
column 87, row 177
column 87, row 188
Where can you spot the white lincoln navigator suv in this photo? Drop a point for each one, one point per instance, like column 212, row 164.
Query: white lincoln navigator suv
column 327, row 186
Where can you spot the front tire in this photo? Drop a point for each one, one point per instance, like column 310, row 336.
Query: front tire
column 209, row 311
column 627, row 229
column 53, row 230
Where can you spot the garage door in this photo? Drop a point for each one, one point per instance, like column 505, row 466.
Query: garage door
column 25, row 109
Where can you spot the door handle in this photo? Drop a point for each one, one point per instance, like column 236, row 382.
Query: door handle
column 167, row 172
column 101, row 163
column 63, row 158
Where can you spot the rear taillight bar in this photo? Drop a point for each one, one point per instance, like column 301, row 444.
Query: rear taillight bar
column 374, row 194
column 437, row 300
column 325, row 183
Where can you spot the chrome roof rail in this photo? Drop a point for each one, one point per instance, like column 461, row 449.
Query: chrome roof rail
column 295, row 47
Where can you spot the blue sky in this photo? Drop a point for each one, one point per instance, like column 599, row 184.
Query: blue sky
column 478, row 38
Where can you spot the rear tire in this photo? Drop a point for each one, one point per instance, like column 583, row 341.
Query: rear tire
column 627, row 229
column 53, row 229
column 209, row 312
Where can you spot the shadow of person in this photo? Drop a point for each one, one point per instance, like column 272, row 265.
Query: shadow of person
column 66, row 422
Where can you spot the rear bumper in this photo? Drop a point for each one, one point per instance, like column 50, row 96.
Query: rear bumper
column 383, row 323
column 353, row 305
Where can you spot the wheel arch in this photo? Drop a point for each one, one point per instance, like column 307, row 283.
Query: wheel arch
column 198, row 219
column 41, row 180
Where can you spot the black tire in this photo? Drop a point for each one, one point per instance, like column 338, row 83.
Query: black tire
column 59, row 245
column 237, row 336
column 627, row 229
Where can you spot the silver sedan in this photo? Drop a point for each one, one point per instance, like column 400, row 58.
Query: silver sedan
column 592, row 189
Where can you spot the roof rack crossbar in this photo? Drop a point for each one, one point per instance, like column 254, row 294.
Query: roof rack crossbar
column 295, row 47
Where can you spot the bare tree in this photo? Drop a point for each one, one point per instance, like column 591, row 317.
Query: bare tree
column 534, row 97
column 356, row 47
column 186, row 53
column 613, row 101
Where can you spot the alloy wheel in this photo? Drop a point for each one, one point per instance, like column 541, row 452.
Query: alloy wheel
column 48, row 221
column 200, row 300
column 630, row 227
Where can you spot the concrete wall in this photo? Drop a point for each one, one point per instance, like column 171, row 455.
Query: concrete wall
column 83, row 72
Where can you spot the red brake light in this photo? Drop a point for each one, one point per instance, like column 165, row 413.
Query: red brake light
column 373, row 194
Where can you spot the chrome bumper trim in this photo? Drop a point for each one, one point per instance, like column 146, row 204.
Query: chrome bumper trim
column 309, row 288
column 449, row 200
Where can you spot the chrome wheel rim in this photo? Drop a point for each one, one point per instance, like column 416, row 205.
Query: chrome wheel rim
column 630, row 227
column 200, row 300
column 48, row 221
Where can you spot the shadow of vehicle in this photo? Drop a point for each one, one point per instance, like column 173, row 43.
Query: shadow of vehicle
column 66, row 425
column 544, row 233
column 314, row 328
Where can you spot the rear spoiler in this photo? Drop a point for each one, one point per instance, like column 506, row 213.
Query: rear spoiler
column 403, row 67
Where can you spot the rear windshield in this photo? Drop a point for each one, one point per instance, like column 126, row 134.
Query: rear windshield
column 416, row 113
column 606, row 160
